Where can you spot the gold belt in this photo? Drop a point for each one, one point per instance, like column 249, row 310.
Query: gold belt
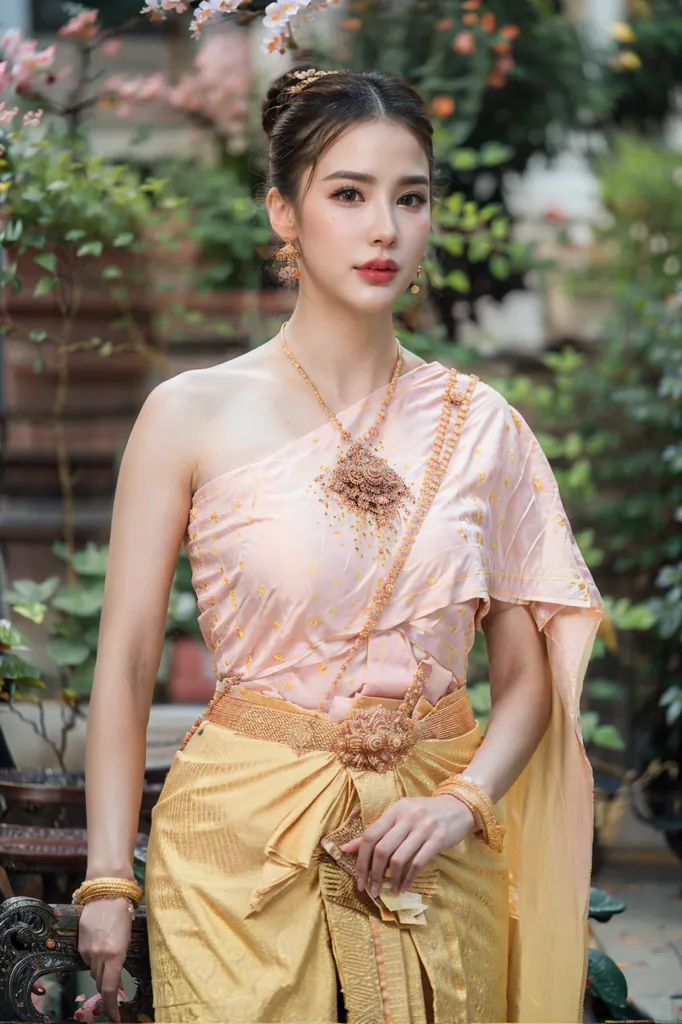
column 375, row 737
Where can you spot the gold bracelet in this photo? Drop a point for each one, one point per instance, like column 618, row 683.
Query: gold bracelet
column 108, row 889
column 488, row 828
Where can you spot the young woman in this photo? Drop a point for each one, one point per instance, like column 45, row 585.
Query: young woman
column 335, row 841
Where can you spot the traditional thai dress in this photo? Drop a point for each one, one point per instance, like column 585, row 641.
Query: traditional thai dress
column 254, row 914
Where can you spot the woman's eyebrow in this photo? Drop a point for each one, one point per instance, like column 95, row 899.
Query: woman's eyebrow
column 370, row 179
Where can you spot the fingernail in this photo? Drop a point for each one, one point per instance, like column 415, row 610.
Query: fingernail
column 375, row 891
column 361, row 885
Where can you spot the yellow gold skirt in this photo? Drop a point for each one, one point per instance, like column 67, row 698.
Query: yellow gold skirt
column 254, row 913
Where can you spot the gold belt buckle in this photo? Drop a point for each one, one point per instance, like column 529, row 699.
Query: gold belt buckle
column 374, row 739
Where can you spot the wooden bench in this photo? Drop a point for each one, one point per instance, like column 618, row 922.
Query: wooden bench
column 39, row 939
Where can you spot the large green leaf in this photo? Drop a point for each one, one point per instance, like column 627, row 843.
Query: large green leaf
column 14, row 668
column 67, row 652
column 29, row 591
column 91, row 561
column 607, row 981
column 34, row 610
column 81, row 601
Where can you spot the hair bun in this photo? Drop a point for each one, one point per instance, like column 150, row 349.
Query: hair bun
column 277, row 98
column 285, row 88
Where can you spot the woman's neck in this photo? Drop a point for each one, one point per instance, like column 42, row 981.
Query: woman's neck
column 346, row 355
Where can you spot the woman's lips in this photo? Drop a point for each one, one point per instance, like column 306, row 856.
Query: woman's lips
column 378, row 271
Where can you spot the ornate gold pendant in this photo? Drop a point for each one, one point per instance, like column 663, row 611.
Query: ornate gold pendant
column 365, row 484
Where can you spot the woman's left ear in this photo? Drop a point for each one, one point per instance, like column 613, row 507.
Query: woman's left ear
column 281, row 214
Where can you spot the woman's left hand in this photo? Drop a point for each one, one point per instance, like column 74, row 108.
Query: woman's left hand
column 405, row 838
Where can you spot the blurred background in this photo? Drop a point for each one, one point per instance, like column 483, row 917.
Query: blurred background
column 135, row 245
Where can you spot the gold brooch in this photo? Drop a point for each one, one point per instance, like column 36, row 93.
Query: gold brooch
column 374, row 739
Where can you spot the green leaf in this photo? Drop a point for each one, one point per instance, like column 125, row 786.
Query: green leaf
column 495, row 153
column 38, row 336
column 111, row 273
column 13, row 668
column 82, row 676
column 10, row 637
column 33, row 610
column 605, row 689
column 68, row 652
column 124, row 239
column 608, row 737
column 74, row 235
column 499, row 267
column 29, row 590
column 38, row 365
column 603, row 905
column 607, row 980
column 458, row 281
column 83, row 602
column 91, row 561
column 90, row 249
column 464, row 159
column 48, row 261
column 45, row 285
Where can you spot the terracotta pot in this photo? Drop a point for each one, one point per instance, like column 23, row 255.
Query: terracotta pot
column 191, row 678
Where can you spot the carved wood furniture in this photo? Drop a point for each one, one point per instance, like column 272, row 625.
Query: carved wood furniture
column 37, row 939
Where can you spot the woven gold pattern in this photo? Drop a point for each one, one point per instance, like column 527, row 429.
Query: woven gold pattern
column 251, row 918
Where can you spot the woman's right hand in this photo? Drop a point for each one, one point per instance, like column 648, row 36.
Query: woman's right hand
column 103, row 939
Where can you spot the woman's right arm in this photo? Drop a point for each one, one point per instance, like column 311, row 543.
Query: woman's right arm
column 151, row 510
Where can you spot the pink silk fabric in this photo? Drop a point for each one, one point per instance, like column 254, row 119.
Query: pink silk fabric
column 283, row 591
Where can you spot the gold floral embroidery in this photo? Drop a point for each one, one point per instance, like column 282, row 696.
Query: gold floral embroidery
column 431, row 580
column 275, row 625
column 512, row 455
column 241, row 565
column 493, row 497
column 260, row 590
column 481, row 475
column 279, row 657
column 240, row 632
column 538, row 484
column 214, row 517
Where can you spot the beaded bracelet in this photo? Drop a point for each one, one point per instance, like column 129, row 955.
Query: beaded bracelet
column 487, row 826
column 109, row 889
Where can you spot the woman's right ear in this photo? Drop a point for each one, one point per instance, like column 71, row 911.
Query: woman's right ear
column 281, row 215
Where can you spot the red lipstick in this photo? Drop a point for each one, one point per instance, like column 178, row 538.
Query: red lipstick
column 378, row 271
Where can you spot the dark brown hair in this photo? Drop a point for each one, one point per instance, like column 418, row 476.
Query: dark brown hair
column 302, row 125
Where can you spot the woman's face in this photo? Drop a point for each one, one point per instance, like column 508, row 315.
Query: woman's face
column 363, row 219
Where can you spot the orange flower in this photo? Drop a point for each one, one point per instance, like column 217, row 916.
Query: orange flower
column 470, row 19
column 495, row 80
column 444, row 24
column 471, row 5
column 442, row 106
column 501, row 47
column 464, row 42
column 504, row 65
column 351, row 24
column 509, row 31
column 488, row 22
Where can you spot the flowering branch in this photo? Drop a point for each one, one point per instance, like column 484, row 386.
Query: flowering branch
column 280, row 18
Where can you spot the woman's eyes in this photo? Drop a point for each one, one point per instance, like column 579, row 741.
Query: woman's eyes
column 353, row 195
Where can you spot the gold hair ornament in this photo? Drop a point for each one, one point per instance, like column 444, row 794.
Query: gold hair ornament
column 306, row 78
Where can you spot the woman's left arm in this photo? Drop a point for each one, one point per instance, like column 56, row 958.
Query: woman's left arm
column 413, row 830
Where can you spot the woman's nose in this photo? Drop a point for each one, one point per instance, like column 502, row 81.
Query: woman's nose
column 383, row 229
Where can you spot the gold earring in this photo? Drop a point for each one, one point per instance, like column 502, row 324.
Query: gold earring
column 288, row 254
column 415, row 289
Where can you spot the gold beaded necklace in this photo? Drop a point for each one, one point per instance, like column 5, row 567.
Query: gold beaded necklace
column 362, row 480
column 440, row 457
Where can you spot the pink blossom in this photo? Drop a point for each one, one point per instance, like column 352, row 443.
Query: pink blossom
column 158, row 8
column 7, row 114
column 112, row 47
column 10, row 42
column 32, row 118
column 81, row 27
